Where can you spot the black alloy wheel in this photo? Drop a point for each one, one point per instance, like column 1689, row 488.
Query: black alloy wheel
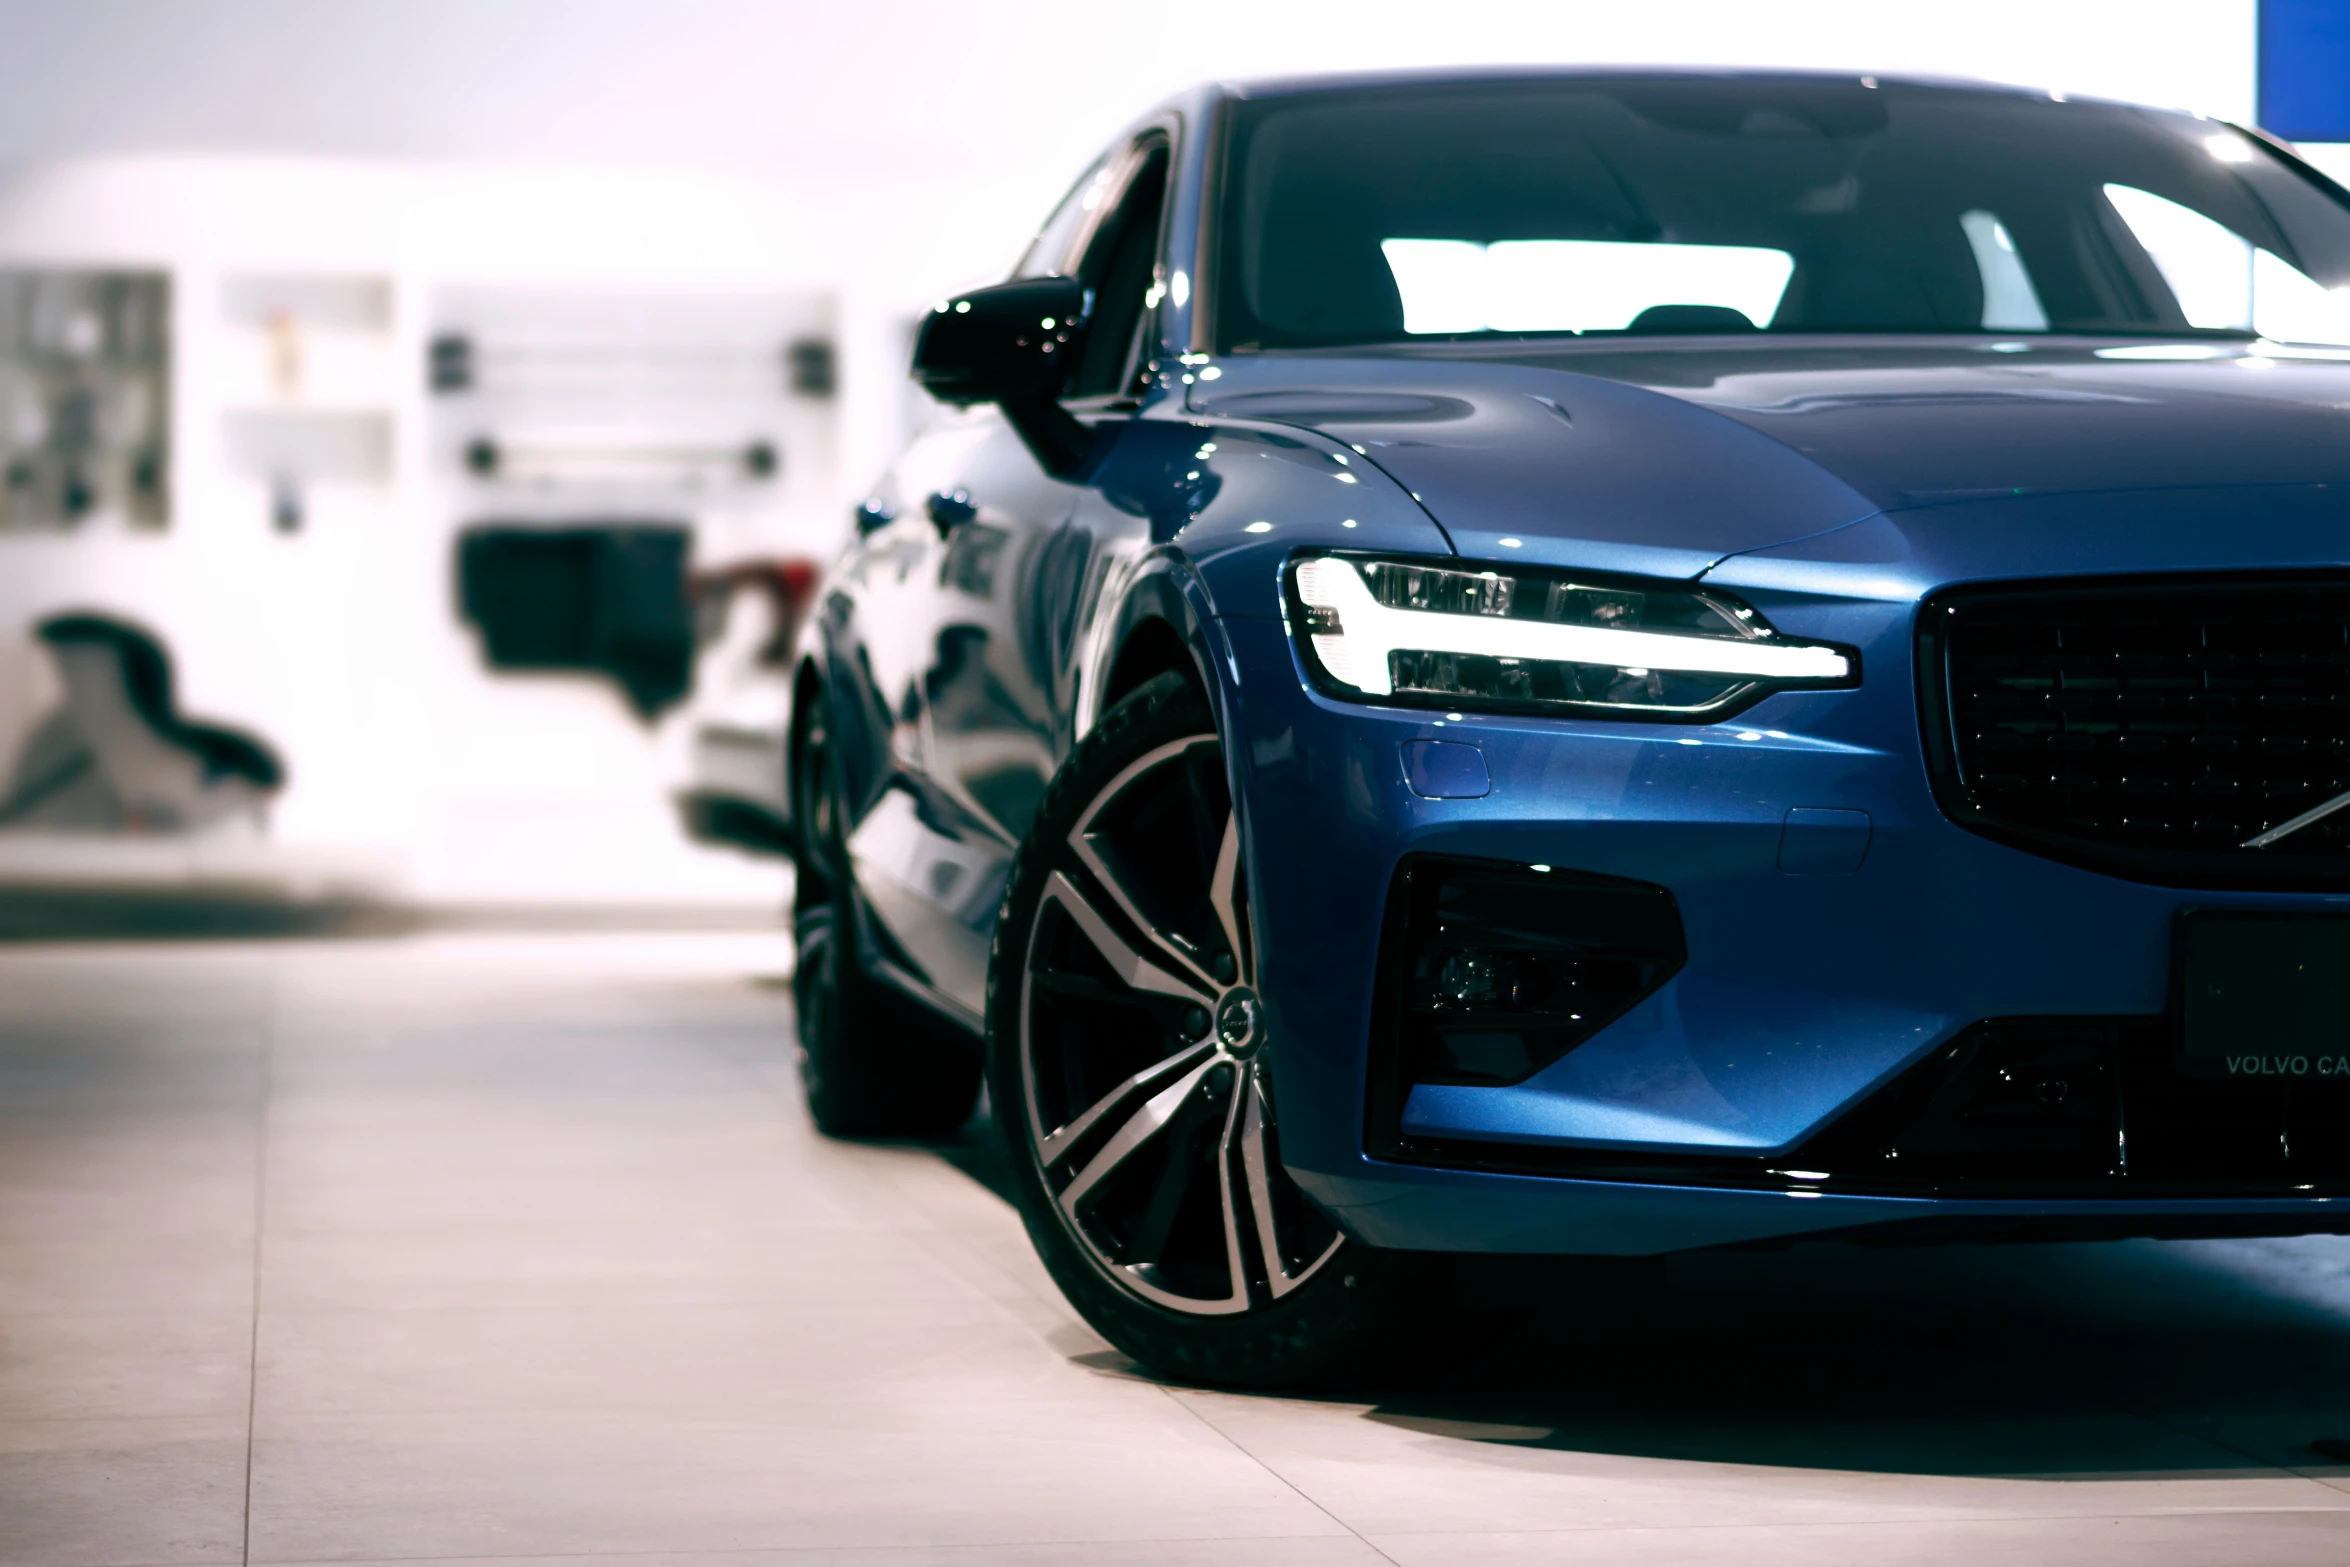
column 1130, row 1066
column 873, row 1061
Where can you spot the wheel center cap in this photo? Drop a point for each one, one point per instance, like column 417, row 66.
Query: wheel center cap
column 1240, row 1023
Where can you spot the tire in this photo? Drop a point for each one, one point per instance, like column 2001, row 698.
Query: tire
column 874, row 1062
column 1128, row 1067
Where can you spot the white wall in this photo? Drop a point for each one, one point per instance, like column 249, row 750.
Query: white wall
column 910, row 146
column 930, row 134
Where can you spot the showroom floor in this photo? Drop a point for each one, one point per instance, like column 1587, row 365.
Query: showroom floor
column 520, row 1249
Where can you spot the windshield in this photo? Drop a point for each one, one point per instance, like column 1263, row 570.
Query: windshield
column 1668, row 205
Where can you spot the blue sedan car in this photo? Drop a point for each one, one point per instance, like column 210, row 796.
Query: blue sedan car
column 1603, row 663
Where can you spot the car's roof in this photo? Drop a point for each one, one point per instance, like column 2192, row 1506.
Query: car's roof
column 1357, row 81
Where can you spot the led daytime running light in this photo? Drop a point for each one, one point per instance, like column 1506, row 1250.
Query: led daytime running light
column 1353, row 635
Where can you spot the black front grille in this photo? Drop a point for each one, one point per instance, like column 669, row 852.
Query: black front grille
column 2147, row 728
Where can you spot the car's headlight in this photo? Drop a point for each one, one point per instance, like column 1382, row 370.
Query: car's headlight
column 1413, row 632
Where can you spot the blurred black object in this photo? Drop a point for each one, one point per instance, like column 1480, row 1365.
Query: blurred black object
column 710, row 817
column 485, row 457
column 118, row 754
column 607, row 599
column 285, row 504
column 814, row 367
column 449, row 363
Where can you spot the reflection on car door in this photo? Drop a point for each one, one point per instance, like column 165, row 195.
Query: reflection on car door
column 933, row 852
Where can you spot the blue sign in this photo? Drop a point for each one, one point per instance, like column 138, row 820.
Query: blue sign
column 2305, row 69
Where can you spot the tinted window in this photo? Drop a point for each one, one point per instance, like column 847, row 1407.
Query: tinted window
column 1119, row 266
column 1648, row 205
column 1049, row 252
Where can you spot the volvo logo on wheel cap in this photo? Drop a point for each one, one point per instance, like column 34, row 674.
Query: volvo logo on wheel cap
column 1240, row 1023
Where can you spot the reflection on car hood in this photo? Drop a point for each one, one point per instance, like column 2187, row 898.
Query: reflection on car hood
column 1666, row 456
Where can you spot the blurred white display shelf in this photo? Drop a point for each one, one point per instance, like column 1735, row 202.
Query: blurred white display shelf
column 309, row 338
column 348, row 369
column 311, row 445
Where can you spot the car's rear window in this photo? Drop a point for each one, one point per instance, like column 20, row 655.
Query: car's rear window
column 1735, row 204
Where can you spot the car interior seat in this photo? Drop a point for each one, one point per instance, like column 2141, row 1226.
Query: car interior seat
column 166, row 771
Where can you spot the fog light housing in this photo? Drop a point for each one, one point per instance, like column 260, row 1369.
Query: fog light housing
column 1490, row 971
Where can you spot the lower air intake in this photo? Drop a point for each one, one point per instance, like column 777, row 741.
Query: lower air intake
column 1489, row 971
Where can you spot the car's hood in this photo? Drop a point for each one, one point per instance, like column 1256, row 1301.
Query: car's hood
column 1667, row 456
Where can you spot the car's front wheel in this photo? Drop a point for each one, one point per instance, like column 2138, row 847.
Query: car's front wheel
column 1130, row 1067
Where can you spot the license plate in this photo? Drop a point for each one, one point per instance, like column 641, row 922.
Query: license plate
column 2266, row 996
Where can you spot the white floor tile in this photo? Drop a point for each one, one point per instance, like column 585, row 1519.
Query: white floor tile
column 121, row 1493
column 2212, row 1539
column 553, row 1270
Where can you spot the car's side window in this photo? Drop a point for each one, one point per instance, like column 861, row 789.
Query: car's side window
column 1118, row 266
column 1072, row 221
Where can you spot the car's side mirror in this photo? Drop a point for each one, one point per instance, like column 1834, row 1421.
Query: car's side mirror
column 1009, row 343
column 1013, row 344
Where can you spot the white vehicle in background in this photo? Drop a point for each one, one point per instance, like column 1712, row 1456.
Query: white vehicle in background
column 746, row 618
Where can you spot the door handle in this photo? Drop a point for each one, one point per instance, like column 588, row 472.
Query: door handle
column 950, row 509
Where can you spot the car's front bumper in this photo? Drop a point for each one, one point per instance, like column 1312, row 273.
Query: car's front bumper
column 1803, row 994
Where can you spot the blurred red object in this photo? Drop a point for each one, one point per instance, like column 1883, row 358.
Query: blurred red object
column 789, row 587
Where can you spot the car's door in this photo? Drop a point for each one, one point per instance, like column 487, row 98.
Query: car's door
column 989, row 609
column 998, row 692
column 871, row 625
